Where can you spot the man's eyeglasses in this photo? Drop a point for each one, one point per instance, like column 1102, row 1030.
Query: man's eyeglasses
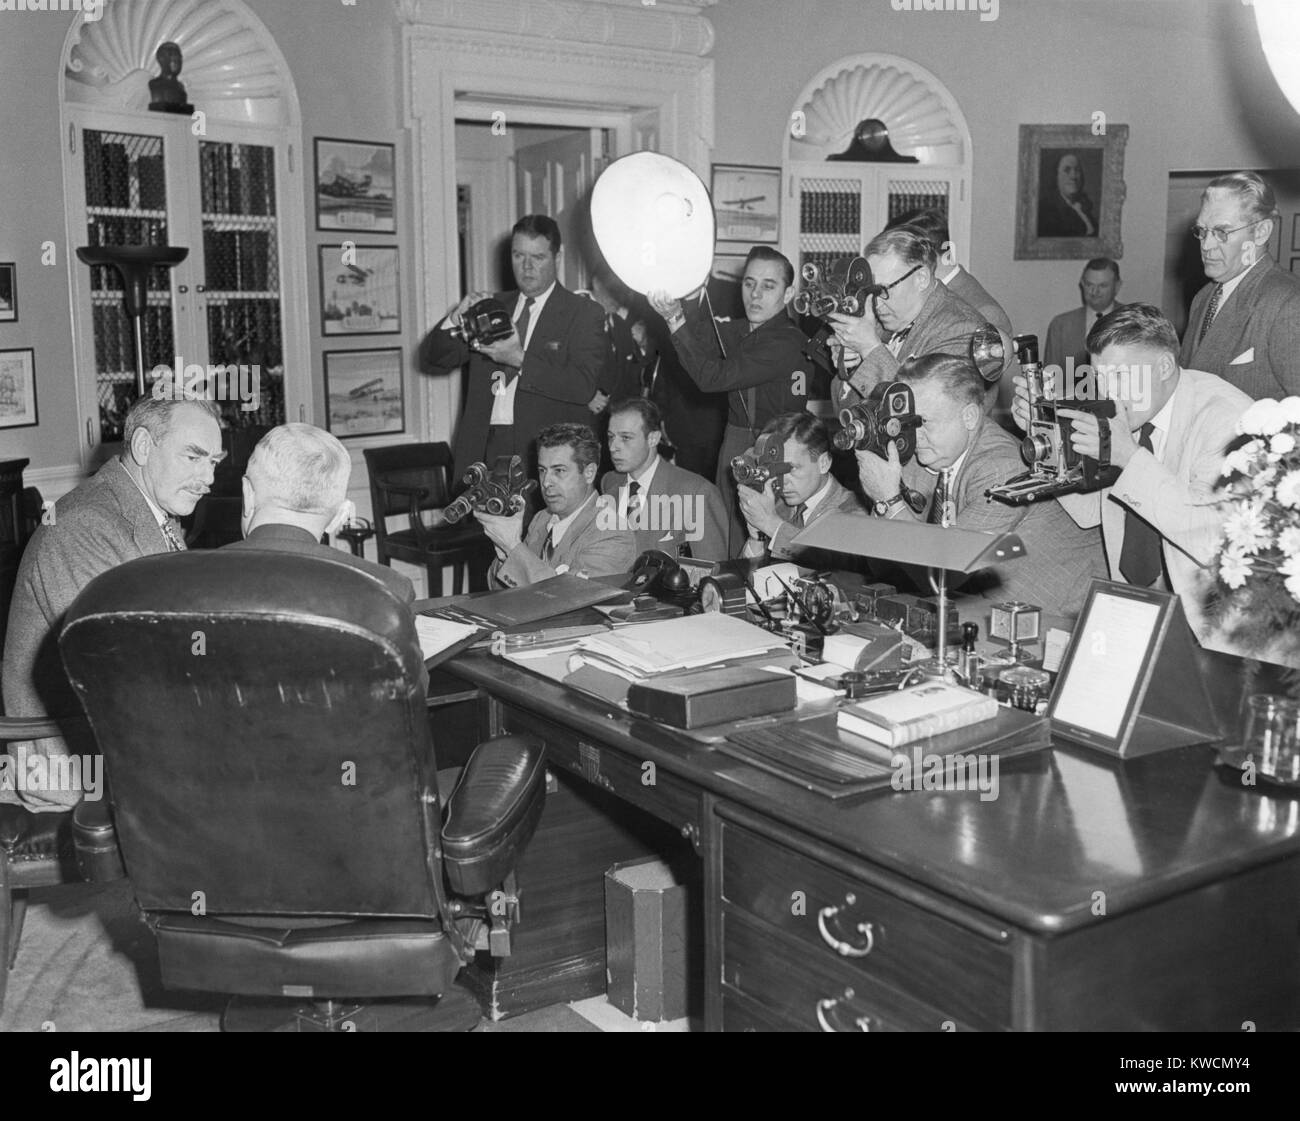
column 883, row 294
column 1220, row 234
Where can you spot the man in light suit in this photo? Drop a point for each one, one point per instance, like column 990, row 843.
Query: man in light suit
column 577, row 533
column 127, row 510
column 1244, row 325
column 665, row 506
column 1068, row 332
column 548, row 372
column 295, row 490
column 1160, row 520
column 960, row 454
column 916, row 312
column 789, row 504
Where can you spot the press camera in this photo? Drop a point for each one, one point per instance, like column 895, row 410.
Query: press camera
column 846, row 288
column 486, row 321
column 1055, row 468
column 502, row 491
column 763, row 462
column 887, row 416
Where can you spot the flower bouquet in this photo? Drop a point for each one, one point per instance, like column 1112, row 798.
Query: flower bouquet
column 1258, row 567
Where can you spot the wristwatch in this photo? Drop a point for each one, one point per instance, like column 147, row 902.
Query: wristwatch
column 883, row 508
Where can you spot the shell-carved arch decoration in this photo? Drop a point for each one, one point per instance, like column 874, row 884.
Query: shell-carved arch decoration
column 923, row 118
column 232, row 68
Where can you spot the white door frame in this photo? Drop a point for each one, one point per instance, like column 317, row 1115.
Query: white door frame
column 533, row 80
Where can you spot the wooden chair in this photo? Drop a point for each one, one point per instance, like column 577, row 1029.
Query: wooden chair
column 409, row 479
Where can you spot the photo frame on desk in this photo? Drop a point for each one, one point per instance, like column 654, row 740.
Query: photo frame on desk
column 1129, row 683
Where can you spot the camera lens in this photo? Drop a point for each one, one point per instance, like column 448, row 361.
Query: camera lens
column 1036, row 447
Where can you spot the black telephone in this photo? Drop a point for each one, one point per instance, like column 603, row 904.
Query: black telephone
column 656, row 573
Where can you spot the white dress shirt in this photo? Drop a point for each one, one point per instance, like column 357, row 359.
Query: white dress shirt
column 503, row 397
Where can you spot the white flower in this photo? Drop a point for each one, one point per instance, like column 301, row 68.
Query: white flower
column 1282, row 444
column 1233, row 568
column 1236, row 463
column 1288, row 490
column 1293, row 586
column 1263, row 418
column 1289, row 541
column 1244, row 528
column 1290, row 566
column 1290, row 407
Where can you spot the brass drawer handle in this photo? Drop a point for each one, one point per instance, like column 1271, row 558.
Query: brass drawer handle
column 827, row 1005
column 845, row 949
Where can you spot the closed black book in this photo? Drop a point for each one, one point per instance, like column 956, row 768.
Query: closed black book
column 702, row 698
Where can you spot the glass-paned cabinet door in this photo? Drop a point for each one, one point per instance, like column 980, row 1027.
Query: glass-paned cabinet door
column 125, row 182
column 242, row 276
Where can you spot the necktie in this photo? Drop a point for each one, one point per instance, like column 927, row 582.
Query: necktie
column 521, row 324
column 548, row 550
column 938, row 514
column 1139, row 559
column 799, row 513
column 1210, row 312
column 174, row 543
column 898, row 337
column 633, row 495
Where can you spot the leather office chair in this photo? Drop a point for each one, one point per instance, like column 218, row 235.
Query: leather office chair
column 263, row 723
column 408, row 479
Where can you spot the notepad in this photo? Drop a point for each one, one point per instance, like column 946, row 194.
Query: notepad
column 438, row 635
column 675, row 644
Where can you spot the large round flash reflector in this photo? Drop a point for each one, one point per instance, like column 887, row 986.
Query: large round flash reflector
column 654, row 223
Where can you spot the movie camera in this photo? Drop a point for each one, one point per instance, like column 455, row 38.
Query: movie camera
column 887, row 416
column 756, row 466
column 501, row 492
column 845, row 288
column 485, row 322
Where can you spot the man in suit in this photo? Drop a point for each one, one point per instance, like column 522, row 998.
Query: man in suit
column 548, row 372
column 961, row 284
column 127, row 510
column 1160, row 520
column 665, row 506
column 1245, row 324
column 1064, row 208
column 762, row 365
column 1065, row 346
column 916, row 313
column 789, row 504
column 295, row 490
column 960, row 454
column 577, row 533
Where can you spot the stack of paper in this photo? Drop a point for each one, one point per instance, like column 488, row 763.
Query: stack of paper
column 647, row 649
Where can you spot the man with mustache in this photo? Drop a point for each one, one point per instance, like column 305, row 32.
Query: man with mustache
column 170, row 450
column 567, row 536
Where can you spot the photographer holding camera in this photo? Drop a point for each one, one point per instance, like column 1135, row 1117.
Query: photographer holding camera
column 761, row 363
column 960, row 453
column 919, row 315
column 1160, row 519
column 794, row 500
column 547, row 371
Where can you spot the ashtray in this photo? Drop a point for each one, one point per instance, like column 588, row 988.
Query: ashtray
column 1283, row 773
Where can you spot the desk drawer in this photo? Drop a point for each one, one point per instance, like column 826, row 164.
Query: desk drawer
column 667, row 798
column 794, row 990
column 968, row 978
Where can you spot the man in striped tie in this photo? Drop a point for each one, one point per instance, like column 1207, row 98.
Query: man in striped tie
column 127, row 510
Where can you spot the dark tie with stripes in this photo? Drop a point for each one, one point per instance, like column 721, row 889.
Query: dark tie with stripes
column 174, row 542
column 940, row 500
column 1210, row 313
column 1139, row 558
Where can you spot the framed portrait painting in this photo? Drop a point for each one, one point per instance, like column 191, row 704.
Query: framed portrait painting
column 747, row 203
column 18, row 388
column 364, row 393
column 358, row 290
column 354, row 186
column 1071, row 192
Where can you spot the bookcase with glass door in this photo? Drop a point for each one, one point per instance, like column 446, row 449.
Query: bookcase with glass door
column 147, row 178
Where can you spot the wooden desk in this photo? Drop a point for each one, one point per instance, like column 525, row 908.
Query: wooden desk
column 1089, row 895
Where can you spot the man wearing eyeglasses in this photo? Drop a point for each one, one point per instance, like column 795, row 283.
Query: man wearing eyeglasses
column 1245, row 324
column 914, row 315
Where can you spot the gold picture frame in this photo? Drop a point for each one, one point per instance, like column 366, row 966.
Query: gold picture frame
column 1071, row 192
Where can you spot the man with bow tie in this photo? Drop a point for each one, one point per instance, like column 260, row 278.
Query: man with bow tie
column 916, row 314
column 170, row 449
column 575, row 533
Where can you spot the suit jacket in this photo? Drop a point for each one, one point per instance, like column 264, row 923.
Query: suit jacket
column 1067, row 336
column 699, row 521
column 999, row 394
column 839, row 500
column 102, row 523
column 1057, row 218
column 281, row 538
column 593, row 545
column 944, row 325
column 765, row 371
column 1177, row 496
column 1254, row 341
column 564, row 365
column 1061, row 558
column 622, row 377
